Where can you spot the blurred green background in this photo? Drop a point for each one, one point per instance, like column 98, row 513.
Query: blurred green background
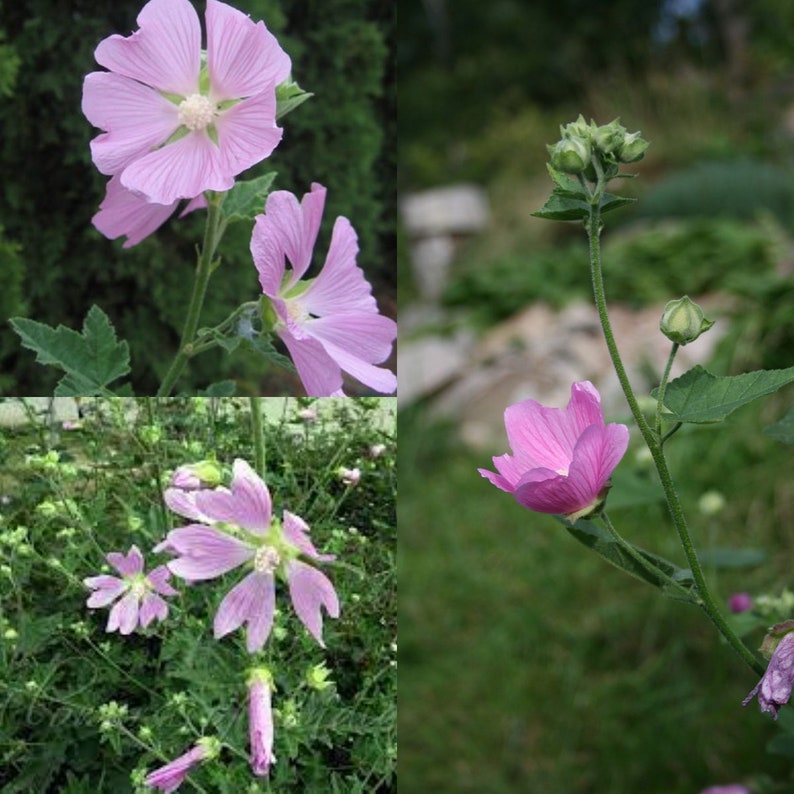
column 54, row 265
column 528, row 664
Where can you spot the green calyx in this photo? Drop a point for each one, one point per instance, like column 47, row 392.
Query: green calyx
column 683, row 321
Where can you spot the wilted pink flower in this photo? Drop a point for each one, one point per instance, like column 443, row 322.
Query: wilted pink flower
column 376, row 450
column 329, row 323
column 178, row 122
column 774, row 688
column 140, row 602
column 740, row 602
column 124, row 213
column 350, row 477
column 260, row 721
column 562, row 458
column 245, row 531
column 732, row 788
column 171, row 776
column 194, row 476
column 308, row 415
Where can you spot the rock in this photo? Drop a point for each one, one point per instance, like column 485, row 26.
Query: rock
column 57, row 409
column 457, row 209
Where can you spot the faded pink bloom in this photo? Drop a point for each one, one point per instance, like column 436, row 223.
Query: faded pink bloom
column 732, row 788
column 330, row 323
column 351, row 477
column 140, row 601
column 178, row 122
column 774, row 688
column 170, row 777
column 376, row 450
column 123, row 213
column 308, row 415
column 260, row 721
column 740, row 602
column 562, row 458
column 237, row 527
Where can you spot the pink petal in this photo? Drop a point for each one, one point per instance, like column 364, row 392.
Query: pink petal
column 319, row 373
column 597, row 454
column 124, row 213
column 168, row 778
column 310, row 590
column 182, row 169
column 106, row 589
column 184, row 503
column 296, row 531
column 268, row 256
column 545, row 491
column 124, row 615
column 207, row 553
column 198, row 203
column 501, row 480
column 251, row 601
column 152, row 607
column 164, row 53
column 247, row 132
column 260, row 728
column 243, row 57
column 126, row 564
column 158, row 578
column 341, row 285
column 136, row 118
column 247, row 505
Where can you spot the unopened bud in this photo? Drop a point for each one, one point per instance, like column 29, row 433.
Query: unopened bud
column 633, row 148
column 683, row 321
column 571, row 155
column 610, row 137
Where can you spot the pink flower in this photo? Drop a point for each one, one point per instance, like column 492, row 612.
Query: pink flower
column 562, row 458
column 195, row 476
column 740, row 602
column 177, row 122
column 260, row 721
column 732, row 788
column 329, row 323
column 774, row 688
column 171, row 776
column 244, row 531
column 140, row 602
column 123, row 213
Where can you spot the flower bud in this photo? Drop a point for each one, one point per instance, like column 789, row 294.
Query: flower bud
column 610, row 137
column 571, row 155
column 683, row 321
column 194, row 476
column 633, row 148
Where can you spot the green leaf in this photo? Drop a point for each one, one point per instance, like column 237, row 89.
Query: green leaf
column 568, row 185
column 732, row 558
column 263, row 345
column 602, row 543
column 700, row 397
column 91, row 360
column 784, row 429
column 224, row 388
column 561, row 207
column 246, row 200
column 611, row 202
column 288, row 97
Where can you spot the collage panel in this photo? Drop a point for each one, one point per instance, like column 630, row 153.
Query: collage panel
column 197, row 594
column 207, row 204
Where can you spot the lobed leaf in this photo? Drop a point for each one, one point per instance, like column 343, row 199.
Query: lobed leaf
column 246, row 199
column 91, row 359
column 783, row 430
column 700, row 397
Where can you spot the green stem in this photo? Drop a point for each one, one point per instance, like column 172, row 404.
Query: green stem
column 258, row 432
column 662, row 387
column 212, row 236
column 634, row 553
column 650, row 437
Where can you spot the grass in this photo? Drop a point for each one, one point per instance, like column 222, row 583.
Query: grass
column 528, row 664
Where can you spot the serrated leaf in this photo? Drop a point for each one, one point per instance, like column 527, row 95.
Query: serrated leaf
column 224, row 388
column 246, row 199
column 568, row 185
column 91, row 359
column 700, row 397
column 561, row 207
column 602, row 543
column 783, row 430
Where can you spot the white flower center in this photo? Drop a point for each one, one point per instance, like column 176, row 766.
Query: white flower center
column 297, row 313
column 139, row 588
column 266, row 559
column 196, row 112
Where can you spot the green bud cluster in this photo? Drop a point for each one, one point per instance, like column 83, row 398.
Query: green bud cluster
column 580, row 142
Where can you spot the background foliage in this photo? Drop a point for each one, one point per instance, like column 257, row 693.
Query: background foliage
column 59, row 264
column 102, row 492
